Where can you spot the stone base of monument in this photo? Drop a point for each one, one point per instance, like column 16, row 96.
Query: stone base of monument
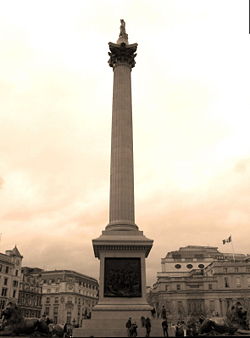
column 116, row 327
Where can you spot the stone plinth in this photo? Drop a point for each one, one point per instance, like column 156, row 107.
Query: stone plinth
column 122, row 284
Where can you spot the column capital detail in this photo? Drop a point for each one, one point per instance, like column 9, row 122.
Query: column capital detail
column 122, row 54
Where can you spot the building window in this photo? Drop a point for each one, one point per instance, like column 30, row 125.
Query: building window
column 211, row 305
column 69, row 317
column 225, row 270
column 47, row 311
column 16, row 272
column 166, row 287
column 48, row 291
column 178, row 287
column 201, row 266
column 4, row 292
column 226, row 283
column 1, row 267
column 14, row 293
column 56, row 300
column 6, row 269
column 5, row 281
column 248, row 282
column 55, row 314
column 47, row 299
column 236, row 269
column 15, row 283
column 189, row 266
column 179, row 307
column 247, row 269
column 177, row 266
column 210, row 286
column 238, row 285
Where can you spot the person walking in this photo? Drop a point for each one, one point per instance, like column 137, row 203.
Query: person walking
column 148, row 326
column 164, row 325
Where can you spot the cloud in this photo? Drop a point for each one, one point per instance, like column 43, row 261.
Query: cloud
column 242, row 166
column 1, row 182
column 191, row 121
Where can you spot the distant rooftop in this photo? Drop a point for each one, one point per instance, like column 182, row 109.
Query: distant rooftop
column 10, row 253
column 202, row 252
column 194, row 251
column 67, row 272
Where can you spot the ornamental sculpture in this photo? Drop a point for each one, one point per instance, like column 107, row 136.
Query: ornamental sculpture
column 123, row 36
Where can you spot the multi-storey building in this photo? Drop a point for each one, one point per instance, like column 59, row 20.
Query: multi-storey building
column 10, row 276
column 213, row 283
column 30, row 293
column 179, row 262
column 67, row 296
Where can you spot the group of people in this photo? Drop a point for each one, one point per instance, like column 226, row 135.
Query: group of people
column 131, row 326
column 179, row 329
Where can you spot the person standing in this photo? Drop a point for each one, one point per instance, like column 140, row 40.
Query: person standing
column 179, row 330
column 128, row 327
column 143, row 321
column 148, row 326
column 133, row 330
column 164, row 325
column 163, row 312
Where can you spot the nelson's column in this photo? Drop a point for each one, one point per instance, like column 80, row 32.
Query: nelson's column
column 121, row 248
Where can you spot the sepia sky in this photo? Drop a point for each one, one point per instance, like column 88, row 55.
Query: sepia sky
column 190, row 117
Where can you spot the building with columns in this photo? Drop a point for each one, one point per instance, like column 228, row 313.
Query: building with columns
column 10, row 276
column 213, row 283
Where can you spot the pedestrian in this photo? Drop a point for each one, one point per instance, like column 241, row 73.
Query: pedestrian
column 153, row 312
column 179, row 330
column 143, row 321
column 148, row 326
column 163, row 312
column 164, row 325
column 67, row 329
column 133, row 330
column 128, row 327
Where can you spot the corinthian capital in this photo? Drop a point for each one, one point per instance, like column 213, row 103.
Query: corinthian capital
column 122, row 53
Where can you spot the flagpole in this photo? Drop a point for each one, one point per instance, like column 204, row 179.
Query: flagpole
column 232, row 248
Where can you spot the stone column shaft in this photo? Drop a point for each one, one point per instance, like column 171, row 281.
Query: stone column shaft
column 121, row 206
column 121, row 203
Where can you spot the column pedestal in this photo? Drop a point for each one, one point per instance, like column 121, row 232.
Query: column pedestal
column 122, row 288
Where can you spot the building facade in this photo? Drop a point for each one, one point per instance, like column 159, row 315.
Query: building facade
column 30, row 293
column 67, row 296
column 10, row 276
column 191, row 285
